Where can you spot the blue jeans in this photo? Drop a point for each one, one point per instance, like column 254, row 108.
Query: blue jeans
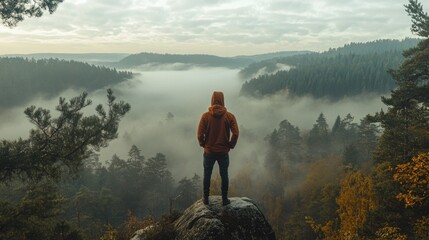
column 223, row 162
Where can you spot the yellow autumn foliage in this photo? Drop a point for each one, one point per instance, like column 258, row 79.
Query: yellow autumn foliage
column 414, row 179
column 356, row 200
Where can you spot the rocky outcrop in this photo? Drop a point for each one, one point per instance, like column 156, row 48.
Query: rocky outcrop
column 241, row 220
column 142, row 233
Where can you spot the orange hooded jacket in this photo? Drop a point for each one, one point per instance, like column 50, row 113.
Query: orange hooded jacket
column 215, row 127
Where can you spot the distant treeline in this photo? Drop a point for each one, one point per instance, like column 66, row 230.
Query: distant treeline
column 200, row 60
column 139, row 59
column 267, row 56
column 81, row 57
column 353, row 69
column 22, row 79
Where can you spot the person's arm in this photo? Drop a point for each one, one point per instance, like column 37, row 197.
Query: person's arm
column 234, row 131
column 202, row 128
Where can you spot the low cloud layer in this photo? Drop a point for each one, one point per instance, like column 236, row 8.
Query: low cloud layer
column 200, row 26
column 187, row 94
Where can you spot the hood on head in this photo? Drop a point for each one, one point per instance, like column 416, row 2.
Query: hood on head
column 217, row 99
column 218, row 105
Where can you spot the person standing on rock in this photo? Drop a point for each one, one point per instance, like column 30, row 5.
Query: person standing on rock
column 214, row 135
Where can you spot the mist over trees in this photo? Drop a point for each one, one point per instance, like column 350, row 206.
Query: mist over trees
column 133, row 186
column 357, row 48
column 353, row 69
column 153, row 60
column 113, row 198
column 140, row 59
column 357, row 179
column 23, row 79
column 56, row 148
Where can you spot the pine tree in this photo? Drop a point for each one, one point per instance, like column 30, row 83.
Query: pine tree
column 367, row 138
column 135, row 160
column 318, row 139
column 405, row 127
column 31, row 169
column 336, row 128
column 285, row 145
column 14, row 11
column 60, row 145
column 405, row 122
column 159, row 184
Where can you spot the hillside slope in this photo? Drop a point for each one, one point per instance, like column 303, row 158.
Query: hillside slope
column 351, row 70
column 23, row 79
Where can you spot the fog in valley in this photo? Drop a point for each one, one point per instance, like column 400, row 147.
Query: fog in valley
column 319, row 155
column 186, row 95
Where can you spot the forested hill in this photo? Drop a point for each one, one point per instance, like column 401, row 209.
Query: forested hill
column 353, row 69
column 378, row 46
column 154, row 59
column 93, row 58
column 159, row 61
column 22, row 79
column 184, row 61
column 266, row 56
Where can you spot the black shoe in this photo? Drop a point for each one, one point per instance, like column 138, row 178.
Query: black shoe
column 206, row 200
column 225, row 201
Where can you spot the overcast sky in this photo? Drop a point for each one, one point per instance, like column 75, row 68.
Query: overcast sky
column 220, row 27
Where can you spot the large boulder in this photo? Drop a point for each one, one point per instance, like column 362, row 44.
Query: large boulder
column 241, row 220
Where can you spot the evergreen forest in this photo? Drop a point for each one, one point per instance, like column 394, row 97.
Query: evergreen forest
column 357, row 179
column 22, row 79
column 354, row 69
column 150, row 60
column 365, row 180
column 201, row 60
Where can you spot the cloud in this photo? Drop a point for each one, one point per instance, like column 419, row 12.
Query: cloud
column 152, row 96
column 247, row 23
column 187, row 94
